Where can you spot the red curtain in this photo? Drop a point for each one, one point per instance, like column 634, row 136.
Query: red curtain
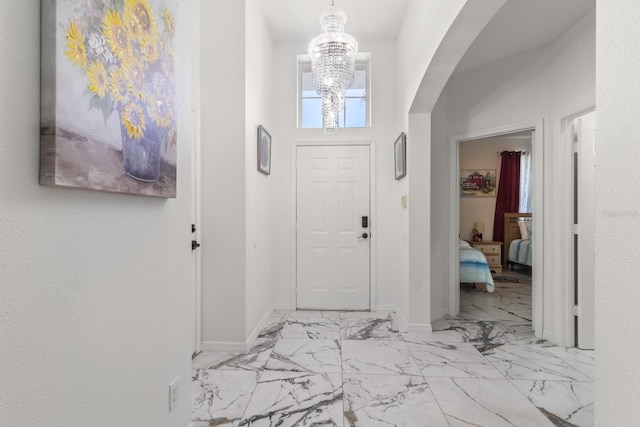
column 508, row 198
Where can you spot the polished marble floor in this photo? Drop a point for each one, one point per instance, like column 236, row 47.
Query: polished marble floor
column 481, row 368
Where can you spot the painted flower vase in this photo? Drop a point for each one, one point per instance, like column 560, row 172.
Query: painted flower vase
column 141, row 156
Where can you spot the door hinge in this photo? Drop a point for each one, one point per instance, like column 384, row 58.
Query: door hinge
column 575, row 229
column 575, row 310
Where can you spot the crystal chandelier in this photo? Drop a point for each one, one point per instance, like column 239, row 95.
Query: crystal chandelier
column 333, row 59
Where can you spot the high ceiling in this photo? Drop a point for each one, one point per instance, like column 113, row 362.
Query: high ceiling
column 519, row 26
column 299, row 20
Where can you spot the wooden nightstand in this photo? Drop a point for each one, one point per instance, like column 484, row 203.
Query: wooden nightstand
column 493, row 252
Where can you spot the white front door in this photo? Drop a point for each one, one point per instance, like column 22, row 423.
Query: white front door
column 584, row 229
column 333, row 244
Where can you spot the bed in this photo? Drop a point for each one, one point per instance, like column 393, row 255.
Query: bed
column 474, row 267
column 517, row 239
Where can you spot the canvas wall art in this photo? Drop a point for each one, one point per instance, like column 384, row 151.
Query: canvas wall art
column 108, row 96
column 478, row 182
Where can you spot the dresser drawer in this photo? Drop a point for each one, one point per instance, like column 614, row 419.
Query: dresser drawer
column 489, row 249
column 493, row 259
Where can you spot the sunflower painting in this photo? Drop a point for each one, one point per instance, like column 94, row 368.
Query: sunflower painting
column 108, row 95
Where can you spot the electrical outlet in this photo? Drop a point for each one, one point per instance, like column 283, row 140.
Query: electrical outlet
column 173, row 394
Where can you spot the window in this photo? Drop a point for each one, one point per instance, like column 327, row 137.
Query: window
column 356, row 108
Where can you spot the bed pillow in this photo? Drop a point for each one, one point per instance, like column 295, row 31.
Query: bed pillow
column 463, row 244
column 524, row 231
column 529, row 229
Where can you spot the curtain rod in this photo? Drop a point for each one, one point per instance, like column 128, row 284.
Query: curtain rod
column 499, row 153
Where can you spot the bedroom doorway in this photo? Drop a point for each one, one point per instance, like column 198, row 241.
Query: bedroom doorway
column 480, row 154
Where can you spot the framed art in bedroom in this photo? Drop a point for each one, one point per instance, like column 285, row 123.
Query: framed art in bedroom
column 478, row 182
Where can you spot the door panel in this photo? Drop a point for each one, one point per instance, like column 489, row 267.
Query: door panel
column 332, row 257
column 584, row 249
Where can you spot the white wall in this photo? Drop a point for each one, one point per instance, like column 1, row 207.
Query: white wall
column 224, row 136
column 439, row 208
column 480, row 155
column 425, row 24
column 259, row 99
column 617, row 213
column 550, row 83
column 433, row 38
column 385, row 216
column 96, row 287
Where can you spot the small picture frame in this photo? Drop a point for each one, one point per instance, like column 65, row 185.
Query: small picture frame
column 264, row 150
column 400, row 155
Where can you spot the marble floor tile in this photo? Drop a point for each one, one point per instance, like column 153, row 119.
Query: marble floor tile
column 221, row 397
column 497, row 311
column 256, row 358
column 305, row 355
column 208, row 358
column 369, row 329
column 313, row 314
column 288, row 399
column 582, row 360
column 435, row 336
column 485, row 402
column 365, row 315
column 355, row 369
column 311, row 328
column 532, row 362
column 565, row 403
column 377, row 357
column 274, row 325
column 523, row 329
column 455, row 360
column 484, row 335
column 390, row 400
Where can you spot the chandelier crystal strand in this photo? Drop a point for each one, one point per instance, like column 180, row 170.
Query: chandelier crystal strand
column 333, row 58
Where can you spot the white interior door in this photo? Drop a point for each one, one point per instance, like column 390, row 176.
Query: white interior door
column 584, row 229
column 332, row 242
column 196, row 337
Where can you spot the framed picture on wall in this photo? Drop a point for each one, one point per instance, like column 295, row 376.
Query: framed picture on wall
column 264, row 150
column 400, row 155
column 478, row 182
column 109, row 99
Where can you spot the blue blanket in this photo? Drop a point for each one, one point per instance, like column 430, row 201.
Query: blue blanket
column 474, row 267
column 520, row 251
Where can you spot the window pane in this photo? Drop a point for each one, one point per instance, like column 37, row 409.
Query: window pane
column 307, row 80
column 356, row 112
column 312, row 113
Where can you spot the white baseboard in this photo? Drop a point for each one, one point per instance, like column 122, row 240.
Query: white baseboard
column 224, row 346
column 420, row 327
column 385, row 308
column 401, row 321
column 240, row 347
column 439, row 314
column 548, row 336
column 281, row 307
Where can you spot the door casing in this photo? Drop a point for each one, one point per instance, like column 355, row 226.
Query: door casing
column 537, row 152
